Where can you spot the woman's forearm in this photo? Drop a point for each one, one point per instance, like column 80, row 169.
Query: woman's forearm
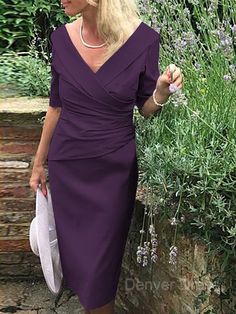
column 150, row 108
column 49, row 125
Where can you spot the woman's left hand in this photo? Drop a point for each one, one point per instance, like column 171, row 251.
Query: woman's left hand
column 165, row 80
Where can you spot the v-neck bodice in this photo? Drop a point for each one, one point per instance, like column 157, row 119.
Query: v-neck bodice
column 73, row 47
column 97, row 108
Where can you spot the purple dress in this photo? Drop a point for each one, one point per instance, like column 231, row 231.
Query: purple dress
column 92, row 162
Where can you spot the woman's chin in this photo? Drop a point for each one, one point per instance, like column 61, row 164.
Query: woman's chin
column 69, row 11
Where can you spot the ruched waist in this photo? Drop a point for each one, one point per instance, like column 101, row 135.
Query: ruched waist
column 73, row 138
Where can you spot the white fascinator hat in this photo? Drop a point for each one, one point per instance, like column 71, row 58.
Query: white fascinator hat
column 43, row 241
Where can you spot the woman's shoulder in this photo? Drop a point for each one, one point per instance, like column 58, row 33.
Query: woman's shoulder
column 69, row 25
column 152, row 33
column 55, row 31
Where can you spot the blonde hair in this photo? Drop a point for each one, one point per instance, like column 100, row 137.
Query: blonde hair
column 116, row 21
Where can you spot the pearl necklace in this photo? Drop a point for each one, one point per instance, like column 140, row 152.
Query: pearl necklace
column 84, row 43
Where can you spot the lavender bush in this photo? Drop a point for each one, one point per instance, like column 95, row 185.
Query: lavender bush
column 187, row 154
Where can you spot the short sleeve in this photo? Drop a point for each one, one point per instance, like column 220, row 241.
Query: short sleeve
column 54, row 98
column 148, row 78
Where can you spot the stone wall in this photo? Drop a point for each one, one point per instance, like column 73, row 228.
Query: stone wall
column 190, row 288
column 20, row 129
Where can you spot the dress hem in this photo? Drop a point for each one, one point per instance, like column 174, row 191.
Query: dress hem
column 89, row 306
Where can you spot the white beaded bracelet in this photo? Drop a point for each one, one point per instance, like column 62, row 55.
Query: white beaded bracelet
column 157, row 103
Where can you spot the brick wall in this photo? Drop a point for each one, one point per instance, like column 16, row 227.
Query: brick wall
column 20, row 129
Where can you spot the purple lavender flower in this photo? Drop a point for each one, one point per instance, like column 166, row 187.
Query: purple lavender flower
column 173, row 88
column 233, row 28
column 227, row 77
column 197, row 65
column 173, row 255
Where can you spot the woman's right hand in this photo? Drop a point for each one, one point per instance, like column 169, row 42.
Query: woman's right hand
column 38, row 176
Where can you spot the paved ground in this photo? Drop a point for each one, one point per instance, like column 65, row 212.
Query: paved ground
column 33, row 297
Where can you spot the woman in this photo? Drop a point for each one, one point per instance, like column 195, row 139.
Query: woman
column 103, row 64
